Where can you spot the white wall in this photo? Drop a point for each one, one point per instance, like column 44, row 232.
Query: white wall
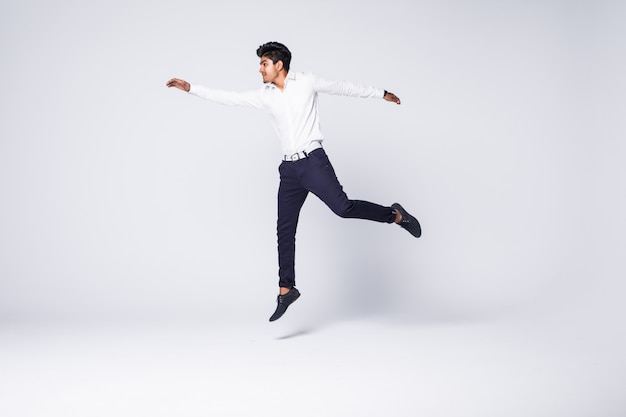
column 121, row 198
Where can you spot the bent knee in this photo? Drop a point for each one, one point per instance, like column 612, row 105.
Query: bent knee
column 344, row 210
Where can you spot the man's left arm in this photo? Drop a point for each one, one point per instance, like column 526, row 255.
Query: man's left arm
column 389, row 96
column 350, row 89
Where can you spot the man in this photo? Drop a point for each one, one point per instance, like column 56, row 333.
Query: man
column 291, row 100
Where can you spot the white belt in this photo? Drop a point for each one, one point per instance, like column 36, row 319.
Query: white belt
column 304, row 154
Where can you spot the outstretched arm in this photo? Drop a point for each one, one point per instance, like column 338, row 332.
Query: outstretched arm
column 391, row 97
column 180, row 84
column 346, row 88
column 232, row 98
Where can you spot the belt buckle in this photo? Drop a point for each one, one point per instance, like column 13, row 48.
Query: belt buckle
column 295, row 157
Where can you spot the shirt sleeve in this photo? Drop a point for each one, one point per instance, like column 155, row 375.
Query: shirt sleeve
column 229, row 98
column 346, row 88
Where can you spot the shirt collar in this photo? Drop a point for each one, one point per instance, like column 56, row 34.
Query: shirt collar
column 291, row 75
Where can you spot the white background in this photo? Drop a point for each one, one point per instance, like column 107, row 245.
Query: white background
column 124, row 203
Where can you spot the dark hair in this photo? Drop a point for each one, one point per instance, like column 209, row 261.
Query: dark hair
column 276, row 52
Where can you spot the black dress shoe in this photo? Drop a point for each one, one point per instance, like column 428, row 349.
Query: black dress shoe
column 408, row 222
column 283, row 302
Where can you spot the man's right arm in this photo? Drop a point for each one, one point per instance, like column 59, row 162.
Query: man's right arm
column 231, row 98
column 178, row 83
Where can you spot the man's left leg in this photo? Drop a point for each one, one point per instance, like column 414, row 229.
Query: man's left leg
column 321, row 180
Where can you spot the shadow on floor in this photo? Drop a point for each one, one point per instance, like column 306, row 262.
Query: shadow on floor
column 297, row 333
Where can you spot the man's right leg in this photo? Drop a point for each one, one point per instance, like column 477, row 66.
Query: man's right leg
column 291, row 197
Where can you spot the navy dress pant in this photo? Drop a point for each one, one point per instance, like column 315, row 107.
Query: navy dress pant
column 313, row 174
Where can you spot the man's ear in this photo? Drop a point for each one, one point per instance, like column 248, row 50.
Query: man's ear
column 279, row 65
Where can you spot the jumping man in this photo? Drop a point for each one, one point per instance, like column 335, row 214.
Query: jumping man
column 290, row 98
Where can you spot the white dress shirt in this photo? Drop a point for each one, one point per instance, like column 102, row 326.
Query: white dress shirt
column 293, row 110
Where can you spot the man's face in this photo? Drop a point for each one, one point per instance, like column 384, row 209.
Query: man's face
column 269, row 70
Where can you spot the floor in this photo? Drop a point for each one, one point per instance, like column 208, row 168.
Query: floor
column 360, row 366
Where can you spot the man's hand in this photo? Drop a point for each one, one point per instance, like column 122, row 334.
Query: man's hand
column 391, row 97
column 180, row 84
